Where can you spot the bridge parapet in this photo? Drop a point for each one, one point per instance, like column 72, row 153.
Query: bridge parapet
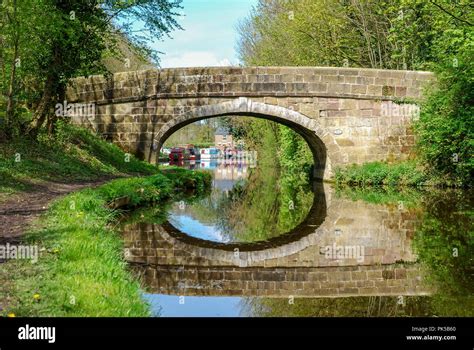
column 356, row 83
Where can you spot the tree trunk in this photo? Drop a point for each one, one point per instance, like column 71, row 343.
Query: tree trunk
column 43, row 106
column 11, row 88
column 51, row 88
column 52, row 117
column 11, row 85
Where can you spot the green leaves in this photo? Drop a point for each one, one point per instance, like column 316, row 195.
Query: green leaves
column 446, row 125
column 44, row 43
column 382, row 174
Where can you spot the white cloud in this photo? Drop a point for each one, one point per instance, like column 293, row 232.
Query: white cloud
column 194, row 59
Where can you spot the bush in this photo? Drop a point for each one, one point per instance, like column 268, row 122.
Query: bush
column 446, row 125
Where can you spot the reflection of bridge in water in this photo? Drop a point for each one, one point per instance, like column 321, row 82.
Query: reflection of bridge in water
column 294, row 264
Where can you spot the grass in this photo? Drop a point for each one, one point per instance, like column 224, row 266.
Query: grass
column 400, row 197
column 407, row 173
column 81, row 271
column 73, row 154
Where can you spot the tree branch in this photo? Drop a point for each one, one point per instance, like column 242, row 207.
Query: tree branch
column 450, row 14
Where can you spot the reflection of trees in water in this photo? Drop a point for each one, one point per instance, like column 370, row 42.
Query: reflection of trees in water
column 271, row 203
column 267, row 204
column 276, row 196
column 444, row 243
column 370, row 306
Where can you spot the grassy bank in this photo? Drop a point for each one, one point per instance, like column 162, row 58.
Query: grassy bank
column 405, row 197
column 81, row 270
column 383, row 174
column 73, row 154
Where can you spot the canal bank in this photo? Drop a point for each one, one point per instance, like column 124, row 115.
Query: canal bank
column 80, row 270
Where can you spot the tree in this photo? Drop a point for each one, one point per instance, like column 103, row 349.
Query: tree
column 24, row 47
column 57, row 40
column 319, row 33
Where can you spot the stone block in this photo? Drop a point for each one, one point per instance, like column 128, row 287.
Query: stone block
column 388, row 90
column 375, row 274
column 400, row 273
column 374, row 90
column 344, row 142
column 359, row 276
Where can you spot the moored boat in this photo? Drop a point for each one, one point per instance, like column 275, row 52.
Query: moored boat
column 209, row 153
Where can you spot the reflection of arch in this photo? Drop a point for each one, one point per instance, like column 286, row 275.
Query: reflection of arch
column 299, row 238
column 322, row 144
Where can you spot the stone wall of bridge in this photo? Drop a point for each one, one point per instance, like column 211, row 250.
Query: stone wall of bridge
column 392, row 280
column 359, row 115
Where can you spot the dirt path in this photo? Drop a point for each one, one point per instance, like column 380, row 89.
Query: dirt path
column 18, row 212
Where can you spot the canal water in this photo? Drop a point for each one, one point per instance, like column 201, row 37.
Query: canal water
column 239, row 210
column 266, row 243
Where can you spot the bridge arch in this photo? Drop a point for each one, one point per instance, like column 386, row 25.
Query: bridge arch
column 322, row 144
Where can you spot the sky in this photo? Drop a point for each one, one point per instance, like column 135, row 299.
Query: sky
column 209, row 36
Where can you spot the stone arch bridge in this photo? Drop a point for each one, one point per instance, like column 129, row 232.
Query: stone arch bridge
column 347, row 115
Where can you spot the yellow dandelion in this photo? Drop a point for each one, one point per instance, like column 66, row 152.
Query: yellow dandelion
column 11, row 314
column 36, row 297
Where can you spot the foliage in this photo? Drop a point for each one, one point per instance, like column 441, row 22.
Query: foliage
column 390, row 34
column 444, row 243
column 277, row 196
column 446, row 125
column 267, row 204
column 331, row 33
column 200, row 134
column 430, row 34
column 150, row 190
column 155, row 188
column 44, row 43
column 382, row 174
column 438, row 36
column 366, row 306
column 388, row 195
column 275, row 144
column 294, row 153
